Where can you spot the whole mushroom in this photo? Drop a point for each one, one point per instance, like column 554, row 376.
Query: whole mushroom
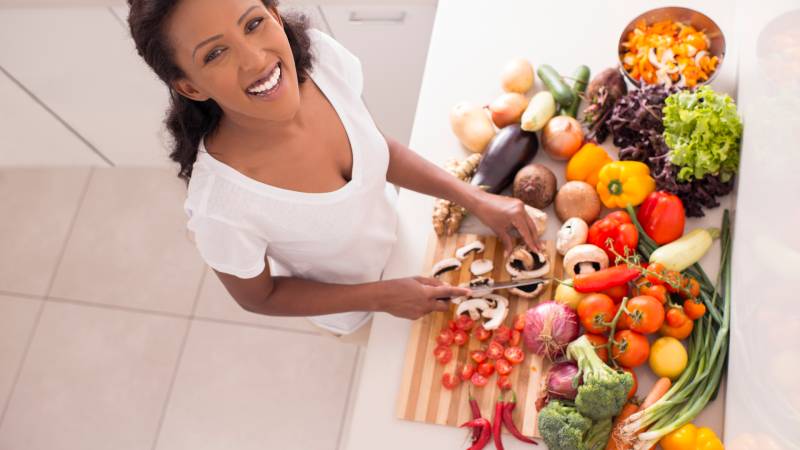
column 583, row 259
column 574, row 232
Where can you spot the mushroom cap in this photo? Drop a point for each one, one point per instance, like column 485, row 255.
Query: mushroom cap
column 474, row 246
column 526, row 263
column 583, row 257
column 481, row 266
column 472, row 306
column 574, row 232
column 444, row 266
column 532, row 294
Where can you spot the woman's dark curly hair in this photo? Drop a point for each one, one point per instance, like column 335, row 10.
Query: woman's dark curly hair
column 188, row 120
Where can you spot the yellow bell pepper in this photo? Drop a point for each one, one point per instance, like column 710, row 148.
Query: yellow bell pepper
column 586, row 163
column 620, row 183
column 689, row 437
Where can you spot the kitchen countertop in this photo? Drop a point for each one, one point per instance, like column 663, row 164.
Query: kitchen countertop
column 469, row 45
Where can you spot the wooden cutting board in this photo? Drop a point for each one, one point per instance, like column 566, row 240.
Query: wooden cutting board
column 422, row 397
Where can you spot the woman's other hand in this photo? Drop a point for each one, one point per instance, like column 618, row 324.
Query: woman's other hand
column 503, row 214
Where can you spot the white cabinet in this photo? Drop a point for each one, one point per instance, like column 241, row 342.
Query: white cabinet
column 392, row 43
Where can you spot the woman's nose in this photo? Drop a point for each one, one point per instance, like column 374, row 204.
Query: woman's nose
column 251, row 57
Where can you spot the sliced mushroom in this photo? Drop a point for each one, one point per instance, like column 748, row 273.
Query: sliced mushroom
column 473, row 306
column 583, row 259
column 525, row 263
column 444, row 266
column 539, row 219
column 458, row 300
column 494, row 300
column 473, row 247
column 573, row 232
column 478, row 282
column 481, row 266
column 497, row 314
column 529, row 290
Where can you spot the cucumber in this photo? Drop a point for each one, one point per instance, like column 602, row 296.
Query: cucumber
column 556, row 85
column 581, row 76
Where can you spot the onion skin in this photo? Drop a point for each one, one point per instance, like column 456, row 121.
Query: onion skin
column 549, row 328
column 559, row 380
column 562, row 137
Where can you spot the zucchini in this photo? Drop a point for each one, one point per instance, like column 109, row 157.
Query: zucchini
column 680, row 254
column 556, row 85
column 581, row 76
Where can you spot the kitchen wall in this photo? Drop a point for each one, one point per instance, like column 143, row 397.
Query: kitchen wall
column 74, row 92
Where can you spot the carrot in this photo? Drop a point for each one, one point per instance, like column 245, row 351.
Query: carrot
column 614, row 443
column 659, row 389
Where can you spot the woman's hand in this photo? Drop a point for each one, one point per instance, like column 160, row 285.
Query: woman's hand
column 412, row 298
column 503, row 214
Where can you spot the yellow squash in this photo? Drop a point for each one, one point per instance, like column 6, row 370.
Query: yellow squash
column 620, row 183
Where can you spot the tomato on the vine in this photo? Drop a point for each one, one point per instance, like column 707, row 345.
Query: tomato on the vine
column 694, row 309
column 630, row 348
column 656, row 269
column 676, row 317
column 617, row 293
column 595, row 312
column 679, row 332
column 645, row 314
column 657, row 291
column 600, row 345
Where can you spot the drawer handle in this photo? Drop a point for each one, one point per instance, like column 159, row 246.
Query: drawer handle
column 365, row 17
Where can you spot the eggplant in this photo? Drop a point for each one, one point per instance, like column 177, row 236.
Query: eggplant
column 507, row 152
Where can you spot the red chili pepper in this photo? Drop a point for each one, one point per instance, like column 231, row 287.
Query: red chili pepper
column 508, row 421
column 662, row 217
column 618, row 227
column 497, row 423
column 476, row 414
column 604, row 279
column 486, row 432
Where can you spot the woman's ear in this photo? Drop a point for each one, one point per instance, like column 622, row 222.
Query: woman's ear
column 185, row 88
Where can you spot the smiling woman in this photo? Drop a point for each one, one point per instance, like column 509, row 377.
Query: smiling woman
column 286, row 168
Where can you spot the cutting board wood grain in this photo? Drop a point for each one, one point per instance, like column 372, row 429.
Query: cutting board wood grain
column 422, row 397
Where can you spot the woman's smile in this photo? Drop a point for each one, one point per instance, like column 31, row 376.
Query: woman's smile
column 267, row 86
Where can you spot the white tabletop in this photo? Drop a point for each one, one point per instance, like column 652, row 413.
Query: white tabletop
column 469, row 45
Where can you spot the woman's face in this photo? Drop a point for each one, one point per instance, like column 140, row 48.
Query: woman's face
column 236, row 53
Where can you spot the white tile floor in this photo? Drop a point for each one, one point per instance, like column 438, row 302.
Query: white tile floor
column 114, row 334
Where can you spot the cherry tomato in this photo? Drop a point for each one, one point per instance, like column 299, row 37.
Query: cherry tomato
column 691, row 288
column 482, row 334
column 502, row 334
column 595, row 311
column 450, row 381
column 519, row 322
column 673, row 279
column 486, row 369
column 617, row 292
column 503, row 382
column 635, row 386
column 495, row 350
column 464, row 322
column 445, row 337
column 630, row 348
column 599, row 341
column 460, row 337
column 443, row 354
column 451, row 324
column 465, row 370
column 622, row 323
column 658, row 291
column 676, row 317
column 694, row 309
column 679, row 332
column 516, row 338
column 478, row 380
column 655, row 268
column 645, row 314
column 478, row 356
column 514, row 355
column 503, row 367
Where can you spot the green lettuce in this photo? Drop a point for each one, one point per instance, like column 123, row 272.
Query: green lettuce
column 704, row 133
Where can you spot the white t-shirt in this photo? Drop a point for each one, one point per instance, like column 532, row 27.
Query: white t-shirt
column 342, row 237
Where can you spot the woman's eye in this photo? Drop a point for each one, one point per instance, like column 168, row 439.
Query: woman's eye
column 212, row 55
column 253, row 24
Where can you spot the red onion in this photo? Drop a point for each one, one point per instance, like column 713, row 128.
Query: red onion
column 549, row 327
column 560, row 378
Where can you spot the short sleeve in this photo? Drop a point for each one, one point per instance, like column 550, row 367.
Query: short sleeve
column 339, row 59
column 227, row 248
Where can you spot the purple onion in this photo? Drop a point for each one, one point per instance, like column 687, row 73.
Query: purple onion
column 549, row 327
column 560, row 379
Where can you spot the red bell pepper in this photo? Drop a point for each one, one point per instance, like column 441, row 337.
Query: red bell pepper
column 662, row 217
column 618, row 227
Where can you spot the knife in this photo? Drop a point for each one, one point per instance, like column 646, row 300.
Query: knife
column 483, row 290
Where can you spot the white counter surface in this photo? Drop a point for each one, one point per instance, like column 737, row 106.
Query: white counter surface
column 470, row 43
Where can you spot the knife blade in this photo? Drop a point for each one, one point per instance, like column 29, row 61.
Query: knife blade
column 483, row 290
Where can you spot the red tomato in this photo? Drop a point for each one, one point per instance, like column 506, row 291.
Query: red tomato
column 595, row 311
column 464, row 322
column 495, row 350
column 503, row 382
column 502, row 334
column 630, row 348
column 451, row 324
column 617, row 292
column 486, row 369
column 482, row 334
column 516, row 338
column 599, row 341
column 645, row 314
column 635, row 386
column 673, row 279
column 503, row 367
column 478, row 380
column 460, row 337
column 443, row 354
column 659, row 292
column 691, row 288
column 676, row 317
column 466, row 370
column 450, row 381
column 694, row 309
column 622, row 323
column 478, row 356
column 656, row 269
column 519, row 322
column 445, row 337
column 514, row 355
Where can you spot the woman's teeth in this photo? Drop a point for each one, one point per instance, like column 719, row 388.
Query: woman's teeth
column 270, row 83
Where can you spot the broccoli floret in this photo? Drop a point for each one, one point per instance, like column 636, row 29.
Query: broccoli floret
column 597, row 436
column 604, row 390
column 562, row 427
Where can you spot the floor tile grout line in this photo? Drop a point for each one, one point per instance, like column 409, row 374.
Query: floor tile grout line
column 55, row 115
column 198, row 292
column 40, row 311
column 350, row 387
column 253, row 325
column 23, row 295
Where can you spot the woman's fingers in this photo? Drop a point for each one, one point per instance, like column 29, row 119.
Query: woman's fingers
column 534, row 232
column 508, row 243
column 446, row 291
column 429, row 281
column 524, row 230
column 440, row 305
